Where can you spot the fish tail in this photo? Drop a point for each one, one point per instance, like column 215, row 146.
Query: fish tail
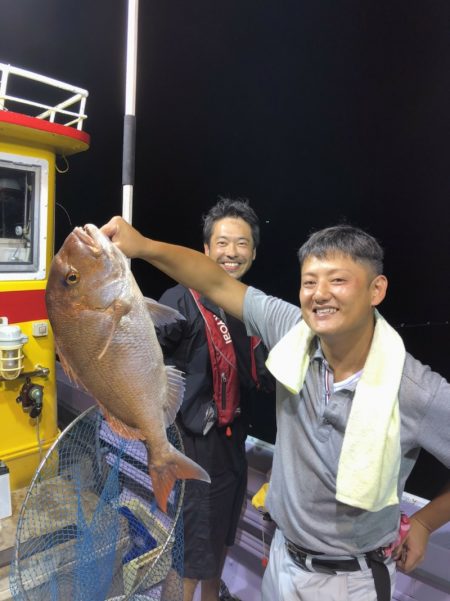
column 171, row 467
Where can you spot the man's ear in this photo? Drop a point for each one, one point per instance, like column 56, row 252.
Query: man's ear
column 206, row 249
column 379, row 288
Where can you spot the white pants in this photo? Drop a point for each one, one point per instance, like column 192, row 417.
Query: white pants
column 284, row 580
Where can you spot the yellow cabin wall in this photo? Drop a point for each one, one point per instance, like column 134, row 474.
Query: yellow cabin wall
column 23, row 440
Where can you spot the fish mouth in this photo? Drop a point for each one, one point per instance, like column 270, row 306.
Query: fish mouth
column 89, row 235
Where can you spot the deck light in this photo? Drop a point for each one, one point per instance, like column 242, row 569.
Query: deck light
column 11, row 355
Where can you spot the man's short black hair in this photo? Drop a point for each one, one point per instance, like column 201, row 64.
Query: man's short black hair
column 347, row 240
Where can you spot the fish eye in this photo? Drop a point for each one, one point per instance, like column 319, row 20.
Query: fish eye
column 72, row 277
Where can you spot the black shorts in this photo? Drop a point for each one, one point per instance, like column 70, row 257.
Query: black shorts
column 211, row 511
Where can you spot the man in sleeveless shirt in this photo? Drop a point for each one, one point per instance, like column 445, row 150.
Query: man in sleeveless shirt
column 223, row 369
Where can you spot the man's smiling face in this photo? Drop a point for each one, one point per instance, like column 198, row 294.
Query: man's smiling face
column 338, row 294
column 231, row 246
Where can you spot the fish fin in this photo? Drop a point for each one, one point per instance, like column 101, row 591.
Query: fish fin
column 176, row 385
column 119, row 427
column 160, row 314
column 174, row 467
column 68, row 370
column 119, row 309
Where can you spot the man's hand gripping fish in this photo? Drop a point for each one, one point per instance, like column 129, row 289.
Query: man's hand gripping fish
column 106, row 342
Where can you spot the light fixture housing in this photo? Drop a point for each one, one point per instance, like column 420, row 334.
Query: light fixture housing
column 11, row 344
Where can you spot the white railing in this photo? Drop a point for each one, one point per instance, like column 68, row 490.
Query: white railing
column 52, row 112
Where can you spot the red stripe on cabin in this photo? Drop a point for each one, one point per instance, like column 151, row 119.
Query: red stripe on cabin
column 23, row 305
column 44, row 125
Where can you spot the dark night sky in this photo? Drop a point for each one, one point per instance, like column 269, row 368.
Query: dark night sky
column 316, row 111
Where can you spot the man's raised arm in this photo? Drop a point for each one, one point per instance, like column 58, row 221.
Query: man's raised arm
column 188, row 267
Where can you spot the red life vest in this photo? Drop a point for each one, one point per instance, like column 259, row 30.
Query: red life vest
column 223, row 363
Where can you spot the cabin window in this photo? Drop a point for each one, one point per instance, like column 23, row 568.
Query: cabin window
column 23, row 216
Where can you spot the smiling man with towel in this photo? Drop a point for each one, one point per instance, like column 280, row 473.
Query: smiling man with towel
column 353, row 410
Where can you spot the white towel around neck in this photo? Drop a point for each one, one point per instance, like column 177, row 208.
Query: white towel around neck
column 369, row 463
